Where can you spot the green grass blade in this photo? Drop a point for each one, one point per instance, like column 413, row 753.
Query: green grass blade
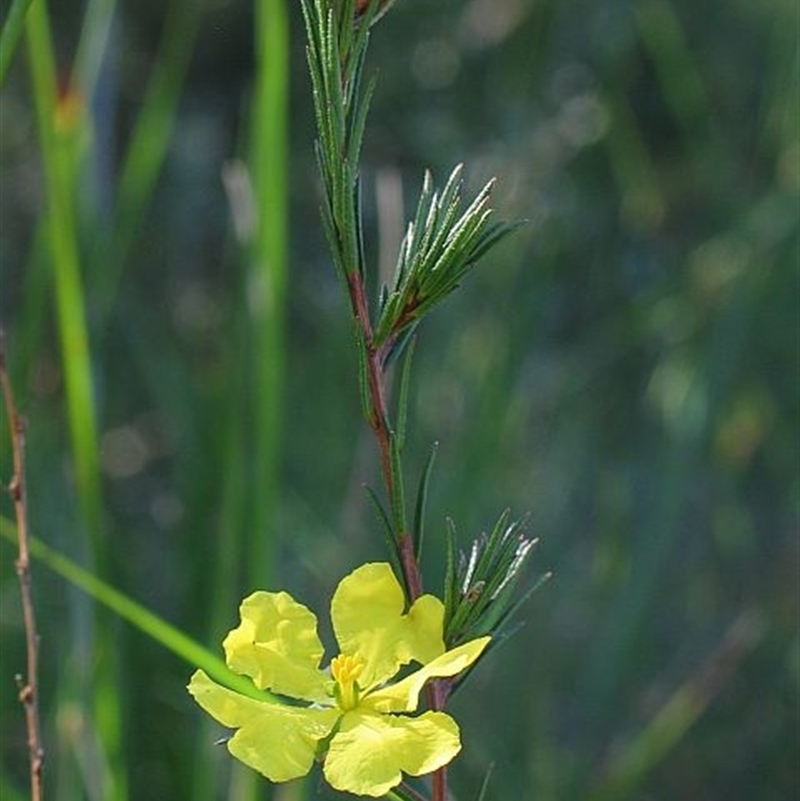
column 269, row 160
column 9, row 792
column 633, row 764
column 141, row 618
column 66, row 270
column 60, row 156
column 147, row 149
column 485, row 783
column 10, row 35
column 93, row 44
column 663, row 35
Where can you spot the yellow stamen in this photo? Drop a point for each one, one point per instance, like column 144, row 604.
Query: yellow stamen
column 345, row 669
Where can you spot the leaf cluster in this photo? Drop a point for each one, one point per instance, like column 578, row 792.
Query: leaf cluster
column 479, row 591
column 441, row 243
column 337, row 44
column 443, row 240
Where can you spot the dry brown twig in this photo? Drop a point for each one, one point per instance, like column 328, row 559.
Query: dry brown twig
column 28, row 688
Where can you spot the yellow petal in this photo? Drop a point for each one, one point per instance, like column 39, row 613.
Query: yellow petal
column 404, row 695
column 277, row 645
column 368, row 618
column 369, row 753
column 278, row 741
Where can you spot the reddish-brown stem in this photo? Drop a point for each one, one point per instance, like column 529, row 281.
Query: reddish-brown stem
column 375, row 377
column 438, row 690
column 440, row 784
column 379, row 420
column 28, row 691
column 410, row 567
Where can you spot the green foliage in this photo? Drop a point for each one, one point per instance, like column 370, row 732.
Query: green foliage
column 440, row 246
column 625, row 369
column 442, row 242
column 480, row 587
column 335, row 51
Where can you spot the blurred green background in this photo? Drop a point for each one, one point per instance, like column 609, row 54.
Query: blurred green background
column 624, row 369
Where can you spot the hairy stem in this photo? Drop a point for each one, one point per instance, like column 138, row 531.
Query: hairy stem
column 376, row 379
column 379, row 421
column 375, row 356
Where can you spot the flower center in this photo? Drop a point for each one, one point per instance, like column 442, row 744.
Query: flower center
column 345, row 669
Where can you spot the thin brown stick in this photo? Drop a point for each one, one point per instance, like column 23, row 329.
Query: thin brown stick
column 28, row 690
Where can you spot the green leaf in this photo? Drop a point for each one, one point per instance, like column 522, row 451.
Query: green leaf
column 441, row 244
column 493, row 234
column 402, row 399
column 336, row 51
column 388, row 531
column 398, row 496
column 482, row 592
column 450, row 577
column 485, row 783
column 358, row 124
column 422, row 497
column 403, row 792
column 363, row 375
column 509, row 613
column 396, row 347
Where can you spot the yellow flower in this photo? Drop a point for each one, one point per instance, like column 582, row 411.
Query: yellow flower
column 352, row 718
